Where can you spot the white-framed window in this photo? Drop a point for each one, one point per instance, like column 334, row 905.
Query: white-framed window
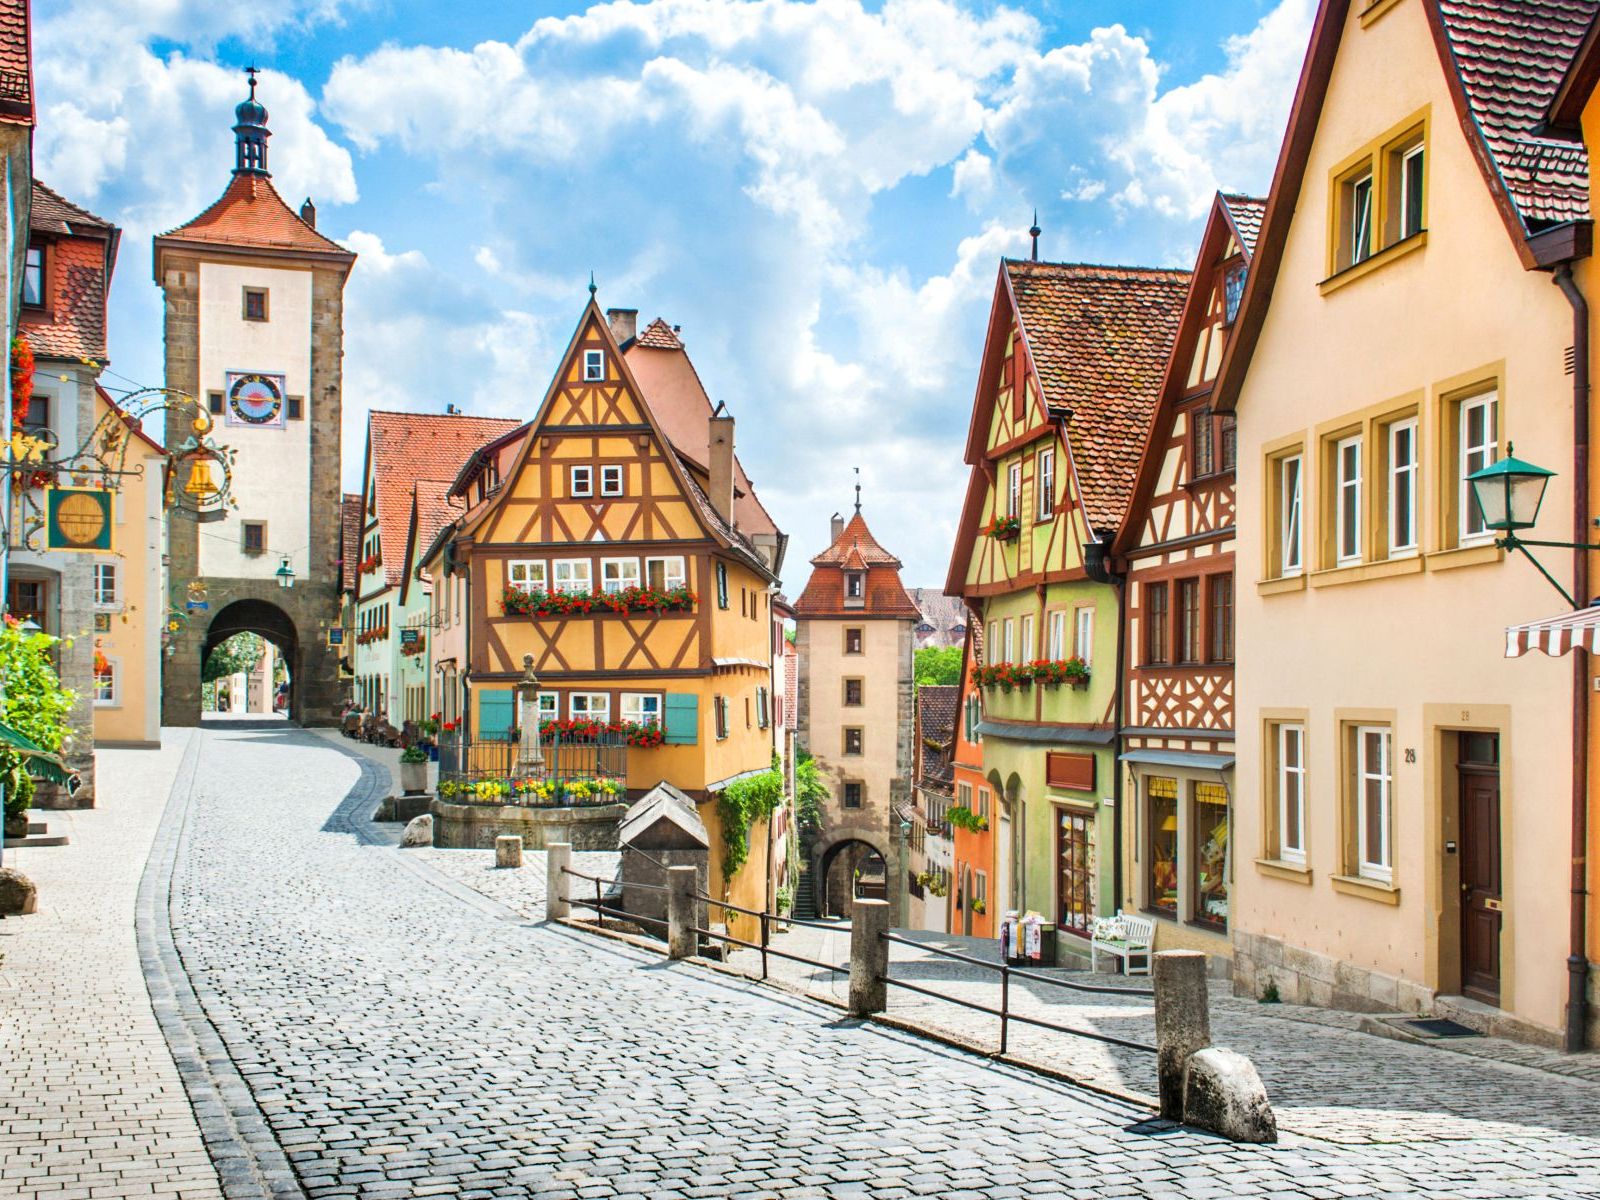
column 1291, row 789
column 106, row 682
column 1027, row 638
column 525, row 573
column 589, row 706
column 583, row 481
column 1083, row 634
column 1347, row 499
column 991, row 645
column 1014, row 491
column 665, row 573
column 1290, row 474
column 1374, row 782
column 1403, row 488
column 573, row 575
column 1360, row 219
column 549, row 706
column 594, row 366
column 1011, row 642
column 617, row 574
column 1045, row 483
column 642, row 708
column 1480, row 447
column 855, row 585
column 105, row 585
column 1058, row 634
column 1411, row 190
column 611, row 480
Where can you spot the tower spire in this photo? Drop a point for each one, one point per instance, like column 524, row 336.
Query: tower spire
column 858, row 490
column 1034, row 233
column 250, row 132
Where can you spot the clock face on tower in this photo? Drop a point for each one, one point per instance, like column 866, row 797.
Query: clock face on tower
column 255, row 399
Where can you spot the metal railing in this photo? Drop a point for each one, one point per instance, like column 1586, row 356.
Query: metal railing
column 601, row 908
column 573, row 768
column 764, row 946
column 1004, row 1012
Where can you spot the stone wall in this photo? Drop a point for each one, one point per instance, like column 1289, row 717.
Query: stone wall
column 475, row 826
column 1305, row 977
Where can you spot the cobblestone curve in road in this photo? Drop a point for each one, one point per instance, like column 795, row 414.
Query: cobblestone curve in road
column 402, row 1042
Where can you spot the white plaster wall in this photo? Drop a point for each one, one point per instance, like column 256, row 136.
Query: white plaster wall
column 272, row 469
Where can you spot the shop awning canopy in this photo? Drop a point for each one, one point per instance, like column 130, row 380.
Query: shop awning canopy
column 1556, row 635
column 42, row 763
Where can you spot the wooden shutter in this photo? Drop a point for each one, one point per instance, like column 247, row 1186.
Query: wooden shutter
column 496, row 714
column 1073, row 772
column 682, row 713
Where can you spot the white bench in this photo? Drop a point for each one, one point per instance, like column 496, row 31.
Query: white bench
column 1137, row 941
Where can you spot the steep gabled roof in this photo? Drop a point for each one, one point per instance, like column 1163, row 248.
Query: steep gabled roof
column 250, row 215
column 51, row 212
column 855, row 549
column 1244, row 213
column 71, row 324
column 1098, row 339
column 937, row 707
column 432, row 509
column 16, row 64
column 658, row 335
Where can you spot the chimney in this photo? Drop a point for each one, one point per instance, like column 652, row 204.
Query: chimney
column 624, row 324
column 721, row 464
column 308, row 213
column 837, row 527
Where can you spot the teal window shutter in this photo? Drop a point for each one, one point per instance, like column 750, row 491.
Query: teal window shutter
column 496, row 714
column 682, row 719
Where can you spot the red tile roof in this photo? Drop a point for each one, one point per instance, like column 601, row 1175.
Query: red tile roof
column 16, row 64
column 885, row 595
column 658, row 335
column 937, row 707
column 1098, row 338
column 403, row 448
column 72, row 323
column 350, row 525
column 1245, row 212
column 251, row 215
column 51, row 212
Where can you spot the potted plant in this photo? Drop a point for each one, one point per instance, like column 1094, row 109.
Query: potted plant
column 979, row 907
column 1003, row 529
column 413, row 770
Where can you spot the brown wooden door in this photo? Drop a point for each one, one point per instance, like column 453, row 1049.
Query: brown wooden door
column 1076, row 880
column 1480, row 883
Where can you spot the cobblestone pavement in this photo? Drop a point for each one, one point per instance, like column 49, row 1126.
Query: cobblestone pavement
column 93, row 1103
column 406, row 1037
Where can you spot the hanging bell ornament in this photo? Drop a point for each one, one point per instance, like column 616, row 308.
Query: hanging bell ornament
column 200, row 485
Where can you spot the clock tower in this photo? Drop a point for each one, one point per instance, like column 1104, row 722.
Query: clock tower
column 254, row 332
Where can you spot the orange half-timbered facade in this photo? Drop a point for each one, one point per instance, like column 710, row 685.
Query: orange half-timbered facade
column 1175, row 551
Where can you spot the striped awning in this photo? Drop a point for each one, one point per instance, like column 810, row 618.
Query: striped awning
column 1556, row 635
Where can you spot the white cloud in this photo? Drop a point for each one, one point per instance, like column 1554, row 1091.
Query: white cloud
column 972, row 177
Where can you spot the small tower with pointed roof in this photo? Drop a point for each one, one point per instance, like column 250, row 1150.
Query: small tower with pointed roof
column 855, row 626
column 254, row 332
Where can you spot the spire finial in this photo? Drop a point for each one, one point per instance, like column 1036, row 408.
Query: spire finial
column 592, row 288
column 250, row 132
column 1034, row 233
column 858, row 490
column 252, row 71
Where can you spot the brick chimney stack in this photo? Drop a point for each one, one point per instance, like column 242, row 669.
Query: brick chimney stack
column 837, row 528
column 624, row 324
column 721, row 464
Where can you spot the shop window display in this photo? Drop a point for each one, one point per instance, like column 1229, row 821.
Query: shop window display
column 1161, row 881
column 1210, row 855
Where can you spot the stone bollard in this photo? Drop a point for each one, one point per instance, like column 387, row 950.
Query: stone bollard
column 682, row 940
column 1183, row 1022
column 508, row 851
column 558, row 857
column 869, row 957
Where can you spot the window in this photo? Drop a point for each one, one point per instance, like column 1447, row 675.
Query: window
column 1222, row 617
column 25, row 600
column 583, row 481
column 1289, row 791
column 1010, row 640
column 852, row 641
column 619, row 574
column 594, row 366
column 852, row 795
column 1014, row 492
column 1406, row 163
column 1189, row 620
column 853, row 692
column 1208, row 901
column 1355, row 219
column 1233, row 292
column 1027, row 638
column 719, row 706
column 573, row 575
column 105, row 680
column 983, row 803
column 1046, row 483
column 722, row 585
column 1161, row 861
column 255, row 304
column 1290, row 473
column 33, row 276
column 1373, row 782
column 611, row 481
column 255, row 537
column 549, row 706
column 1058, row 635
column 852, row 740
column 528, row 575
column 1347, row 499
column 1228, row 441
column 664, row 574
column 642, row 708
column 1380, row 196
column 589, row 706
column 105, row 585
column 855, row 586
column 1202, row 457
column 1480, row 447
column 1402, row 498
column 296, row 407
column 213, row 402
column 1155, row 623
column 1083, row 635
column 763, row 707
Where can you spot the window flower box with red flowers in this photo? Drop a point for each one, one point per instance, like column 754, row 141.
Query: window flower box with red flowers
column 578, row 730
column 1002, row 529
column 372, row 635
column 519, row 602
column 1005, row 676
column 1053, row 672
column 416, row 647
column 21, row 380
column 371, row 563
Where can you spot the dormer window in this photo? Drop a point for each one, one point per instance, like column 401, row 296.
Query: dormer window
column 33, row 276
column 594, row 366
column 583, row 481
column 855, row 589
column 1232, row 292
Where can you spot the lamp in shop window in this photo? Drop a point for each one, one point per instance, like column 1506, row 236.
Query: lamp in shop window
column 1508, row 494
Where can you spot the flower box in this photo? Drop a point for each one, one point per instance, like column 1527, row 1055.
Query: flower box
column 1003, row 529
column 519, row 602
column 644, row 737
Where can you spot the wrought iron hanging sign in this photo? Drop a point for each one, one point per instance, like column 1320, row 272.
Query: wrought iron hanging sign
column 78, row 518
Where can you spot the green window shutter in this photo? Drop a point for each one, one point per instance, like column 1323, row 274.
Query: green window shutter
column 682, row 719
column 496, row 714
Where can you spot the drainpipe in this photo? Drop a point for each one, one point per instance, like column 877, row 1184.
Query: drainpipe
column 1120, row 582
column 1578, row 957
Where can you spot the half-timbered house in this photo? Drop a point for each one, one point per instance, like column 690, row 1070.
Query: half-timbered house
column 1070, row 373
column 1175, row 552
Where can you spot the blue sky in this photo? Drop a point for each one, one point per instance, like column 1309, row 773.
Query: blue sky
column 819, row 194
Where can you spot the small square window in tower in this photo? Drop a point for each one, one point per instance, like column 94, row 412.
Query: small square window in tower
column 255, row 537
column 255, row 304
column 855, row 589
column 594, row 366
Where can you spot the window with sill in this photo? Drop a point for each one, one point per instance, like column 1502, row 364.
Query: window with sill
column 1156, row 624
column 33, row 292
column 1287, row 476
column 1380, row 196
column 1346, row 501
column 1220, row 594
column 1014, row 491
column 1286, row 818
column 619, row 574
column 1188, row 621
column 1370, row 801
column 594, row 366
column 853, row 793
column 1045, row 473
column 853, row 738
column 1401, row 472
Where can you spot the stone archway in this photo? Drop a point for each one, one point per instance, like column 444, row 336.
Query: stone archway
column 845, row 867
column 267, row 620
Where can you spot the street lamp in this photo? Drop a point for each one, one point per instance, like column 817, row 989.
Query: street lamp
column 285, row 573
column 1508, row 494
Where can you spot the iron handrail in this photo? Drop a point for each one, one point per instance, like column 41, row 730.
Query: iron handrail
column 766, row 950
column 618, row 912
column 756, row 912
column 1018, row 972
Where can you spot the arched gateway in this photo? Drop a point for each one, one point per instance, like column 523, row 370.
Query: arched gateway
column 254, row 332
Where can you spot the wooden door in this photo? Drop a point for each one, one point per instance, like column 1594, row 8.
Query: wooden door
column 1480, row 882
column 1076, row 876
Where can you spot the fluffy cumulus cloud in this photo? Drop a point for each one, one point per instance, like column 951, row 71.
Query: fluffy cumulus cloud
column 817, row 192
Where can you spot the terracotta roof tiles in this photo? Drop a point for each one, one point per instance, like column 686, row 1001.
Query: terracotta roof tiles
column 51, row 212
column 1099, row 339
column 71, row 324
column 16, row 64
column 658, row 335
column 350, row 522
column 938, row 705
column 855, row 548
column 250, row 214
column 1245, row 212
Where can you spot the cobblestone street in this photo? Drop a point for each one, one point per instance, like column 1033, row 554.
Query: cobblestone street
column 403, row 1035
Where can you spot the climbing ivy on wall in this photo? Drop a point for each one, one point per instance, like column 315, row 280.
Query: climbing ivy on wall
column 739, row 806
